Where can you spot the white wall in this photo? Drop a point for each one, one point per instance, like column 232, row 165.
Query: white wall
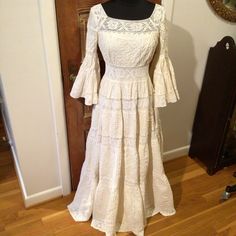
column 31, row 83
column 29, row 89
column 193, row 29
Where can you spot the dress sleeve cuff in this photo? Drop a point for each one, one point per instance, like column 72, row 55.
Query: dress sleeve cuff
column 165, row 89
column 87, row 81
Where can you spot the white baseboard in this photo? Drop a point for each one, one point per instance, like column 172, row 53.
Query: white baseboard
column 176, row 153
column 43, row 196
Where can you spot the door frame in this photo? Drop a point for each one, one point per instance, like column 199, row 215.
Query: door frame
column 48, row 21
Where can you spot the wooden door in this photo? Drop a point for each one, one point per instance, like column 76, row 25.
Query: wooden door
column 72, row 18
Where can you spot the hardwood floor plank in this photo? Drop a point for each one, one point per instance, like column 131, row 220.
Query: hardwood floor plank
column 9, row 185
column 193, row 225
column 31, row 228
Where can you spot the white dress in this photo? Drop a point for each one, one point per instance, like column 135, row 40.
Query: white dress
column 122, row 180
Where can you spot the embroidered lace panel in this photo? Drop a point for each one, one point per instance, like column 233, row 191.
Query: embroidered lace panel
column 107, row 23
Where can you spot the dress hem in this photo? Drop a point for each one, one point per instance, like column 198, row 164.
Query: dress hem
column 136, row 232
column 96, row 224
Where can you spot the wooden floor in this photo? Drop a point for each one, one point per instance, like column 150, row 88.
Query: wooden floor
column 196, row 195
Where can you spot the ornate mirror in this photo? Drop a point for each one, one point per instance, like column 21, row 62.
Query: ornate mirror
column 225, row 8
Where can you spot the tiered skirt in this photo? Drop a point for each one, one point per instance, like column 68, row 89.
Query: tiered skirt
column 122, row 180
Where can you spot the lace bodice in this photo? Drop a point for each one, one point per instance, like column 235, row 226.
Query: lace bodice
column 126, row 44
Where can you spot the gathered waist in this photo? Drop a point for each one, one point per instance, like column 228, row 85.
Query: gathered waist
column 128, row 73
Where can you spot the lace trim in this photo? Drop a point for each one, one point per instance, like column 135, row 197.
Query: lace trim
column 107, row 23
column 127, row 105
column 117, row 142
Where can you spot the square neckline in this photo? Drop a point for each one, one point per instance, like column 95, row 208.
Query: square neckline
column 126, row 20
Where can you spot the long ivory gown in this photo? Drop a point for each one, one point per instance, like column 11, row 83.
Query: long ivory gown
column 122, row 180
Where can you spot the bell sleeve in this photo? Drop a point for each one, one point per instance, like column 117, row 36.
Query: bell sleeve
column 164, row 82
column 88, row 78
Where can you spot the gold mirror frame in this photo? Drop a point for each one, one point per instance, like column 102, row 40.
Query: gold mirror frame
column 222, row 10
